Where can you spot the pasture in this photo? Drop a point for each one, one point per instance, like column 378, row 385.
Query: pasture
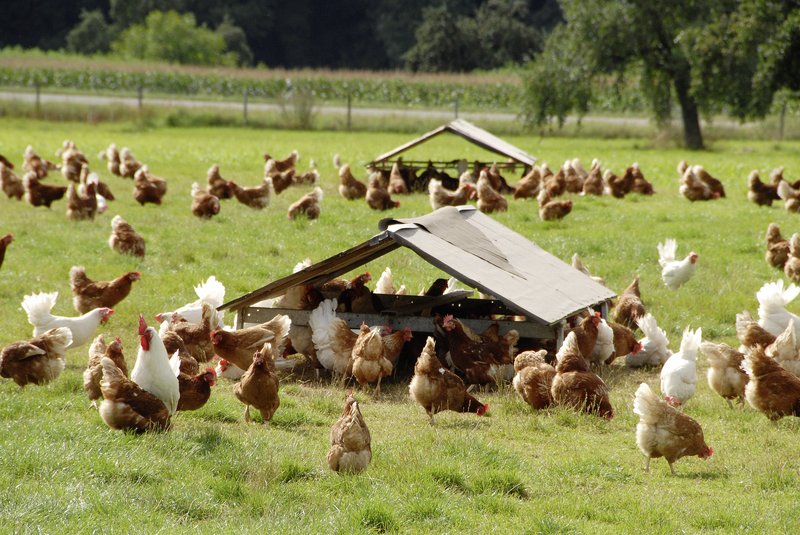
column 514, row 471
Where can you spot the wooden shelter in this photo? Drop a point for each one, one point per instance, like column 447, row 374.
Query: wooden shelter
column 513, row 156
column 534, row 292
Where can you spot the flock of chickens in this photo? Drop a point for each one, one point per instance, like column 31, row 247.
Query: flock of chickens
column 169, row 376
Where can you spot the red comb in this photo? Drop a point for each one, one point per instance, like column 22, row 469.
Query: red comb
column 142, row 325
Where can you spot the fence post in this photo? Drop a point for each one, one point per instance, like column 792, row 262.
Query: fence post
column 782, row 120
column 349, row 109
column 246, row 93
column 38, row 98
column 455, row 105
column 139, row 96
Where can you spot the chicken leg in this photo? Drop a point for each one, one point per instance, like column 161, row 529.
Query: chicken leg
column 647, row 464
column 247, row 414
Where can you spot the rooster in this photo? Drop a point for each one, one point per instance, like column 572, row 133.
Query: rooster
column 369, row 358
column 238, row 347
column 679, row 373
column 38, row 194
column 257, row 197
column 350, row 440
column 725, row 374
column 350, row 188
column 440, row 196
column 10, row 183
column 654, row 346
column 39, row 360
column 674, row 272
column 195, row 389
column 438, row 389
column 771, row 389
column 575, row 386
column 259, row 385
column 664, row 431
column 94, row 370
column 205, row 205
column 629, row 306
column 88, row 294
column 308, row 205
column 218, row 186
column 534, row 379
column 124, row 239
column 5, row 241
column 38, row 307
column 489, row 199
column 777, row 248
column 154, row 370
column 332, row 339
column 127, row 406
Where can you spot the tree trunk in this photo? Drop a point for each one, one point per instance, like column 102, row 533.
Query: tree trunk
column 692, row 136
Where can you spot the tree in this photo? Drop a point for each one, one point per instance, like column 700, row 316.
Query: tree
column 704, row 54
column 235, row 40
column 92, row 35
column 505, row 34
column 442, row 43
column 175, row 38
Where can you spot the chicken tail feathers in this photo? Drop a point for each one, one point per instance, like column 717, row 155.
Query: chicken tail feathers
column 322, row 323
column 38, row 307
column 58, row 339
column 647, row 405
column 667, row 251
column 691, row 340
column 772, row 296
column 211, row 291
column 385, row 284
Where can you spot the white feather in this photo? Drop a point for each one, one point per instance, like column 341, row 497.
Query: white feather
column 154, row 372
column 679, row 373
column 655, row 345
column 772, row 300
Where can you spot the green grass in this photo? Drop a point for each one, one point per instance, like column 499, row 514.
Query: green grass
column 514, row 471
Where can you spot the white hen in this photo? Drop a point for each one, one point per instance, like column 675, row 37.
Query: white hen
column 675, row 272
column 605, row 343
column 38, row 307
column 679, row 373
column 655, row 345
column 211, row 292
column 784, row 349
column 772, row 300
column 154, row 370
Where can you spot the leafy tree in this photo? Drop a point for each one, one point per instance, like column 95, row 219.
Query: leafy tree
column 92, row 34
column 175, row 38
column 442, row 43
column 704, row 54
column 504, row 33
column 235, row 40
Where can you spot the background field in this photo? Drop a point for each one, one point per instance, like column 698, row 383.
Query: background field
column 514, row 471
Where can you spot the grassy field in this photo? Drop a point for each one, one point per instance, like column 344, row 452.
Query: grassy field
column 514, row 471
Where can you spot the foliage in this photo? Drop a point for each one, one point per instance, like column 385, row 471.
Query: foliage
column 173, row 37
column 235, row 41
column 64, row 471
column 92, row 35
column 443, row 43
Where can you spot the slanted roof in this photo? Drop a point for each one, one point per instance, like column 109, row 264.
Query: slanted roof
column 473, row 248
column 471, row 133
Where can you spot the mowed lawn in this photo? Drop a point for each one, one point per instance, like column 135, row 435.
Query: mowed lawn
column 63, row 470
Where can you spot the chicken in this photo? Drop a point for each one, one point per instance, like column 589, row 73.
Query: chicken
column 148, row 188
column 350, row 440
column 772, row 313
column 127, row 406
column 5, row 241
column 534, row 378
column 88, row 294
column 617, row 186
column 586, row 333
column 489, row 199
column 350, row 188
column 550, row 210
column 369, row 358
column 218, row 186
column 792, row 266
column 10, row 183
column 624, row 342
column 593, row 184
column 308, row 205
column 396, row 183
column 716, row 187
column 479, row 360
column 750, row 333
column 378, row 197
column 124, row 239
column 440, row 196
column 212, row 292
column 575, row 386
column 39, row 360
column 355, row 296
column 38, row 307
column 574, row 180
column 664, row 431
column 604, row 345
column 438, row 389
column 81, row 207
column 674, row 272
column 629, row 306
column 790, row 196
column 496, row 180
column 654, row 346
column 640, row 183
column 385, row 284
column 197, row 336
column 257, row 197
column 35, row 164
column 393, row 343
column 332, row 338
column 154, row 370
column 760, row 193
column 679, row 373
column 228, row 371
column 287, row 163
column 771, row 389
column 6, row 162
column 777, row 248
column 72, row 160
column 174, row 344
column 785, row 350
column 204, row 204
column 112, row 155
column 691, row 186
column 529, row 185
column 195, row 389
column 281, row 180
column 238, row 347
column 94, row 370
column 259, row 385
column 128, row 164
column 578, row 264
column 725, row 374
column 38, row 194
